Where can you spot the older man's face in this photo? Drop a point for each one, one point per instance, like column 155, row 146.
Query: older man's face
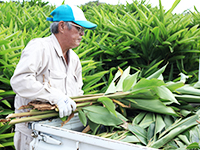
column 72, row 37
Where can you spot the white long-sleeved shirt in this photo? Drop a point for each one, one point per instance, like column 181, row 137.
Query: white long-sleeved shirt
column 43, row 74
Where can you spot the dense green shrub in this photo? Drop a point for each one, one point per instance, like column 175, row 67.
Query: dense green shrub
column 142, row 37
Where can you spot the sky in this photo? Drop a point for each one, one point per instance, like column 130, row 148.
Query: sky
column 181, row 7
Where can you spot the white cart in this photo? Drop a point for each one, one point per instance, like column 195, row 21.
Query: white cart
column 49, row 135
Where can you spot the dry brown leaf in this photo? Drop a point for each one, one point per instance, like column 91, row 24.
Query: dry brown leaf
column 25, row 107
column 86, row 129
column 121, row 104
column 39, row 105
column 198, row 121
column 68, row 119
column 121, row 138
column 4, row 120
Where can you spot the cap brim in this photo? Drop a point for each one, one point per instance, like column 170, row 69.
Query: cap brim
column 49, row 19
column 86, row 24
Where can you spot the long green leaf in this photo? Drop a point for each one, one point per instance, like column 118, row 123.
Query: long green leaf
column 97, row 115
column 165, row 93
column 11, row 50
column 176, row 131
column 7, row 93
column 112, row 88
column 172, row 8
column 141, row 13
column 161, row 12
column 145, row 84
column 174, row 36
column 130, row 81
column 172, row 86
column 108, row 103
column 7, row 135
column 82, row 117
column 160, row 124
column 152, row 105
column 2, row 42
column 138, row 118
column 157, row 73
column 147, row 120
column 139, row 132
column 188, row 98
column 188, row 90
column 130, row 139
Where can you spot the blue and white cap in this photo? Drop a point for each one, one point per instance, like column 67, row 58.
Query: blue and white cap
column 71, row 13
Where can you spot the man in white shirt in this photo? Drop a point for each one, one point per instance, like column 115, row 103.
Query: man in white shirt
column 49, row 70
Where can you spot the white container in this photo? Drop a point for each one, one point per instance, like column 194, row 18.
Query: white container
column 49, row 135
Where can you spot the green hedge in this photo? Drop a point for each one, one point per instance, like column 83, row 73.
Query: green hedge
column 140, row 36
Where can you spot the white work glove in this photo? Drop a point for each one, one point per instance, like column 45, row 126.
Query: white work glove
column 65, row 105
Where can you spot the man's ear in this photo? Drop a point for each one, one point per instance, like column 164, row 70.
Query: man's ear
column 61, row 26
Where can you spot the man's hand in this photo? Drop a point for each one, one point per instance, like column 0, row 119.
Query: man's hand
column 66, row 105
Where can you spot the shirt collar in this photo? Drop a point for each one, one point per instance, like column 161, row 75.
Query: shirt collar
column 56, row 45
column 58, row 48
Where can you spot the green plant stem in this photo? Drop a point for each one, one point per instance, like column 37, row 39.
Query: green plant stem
column 116, row 95
column 85, row 104
column 31, row 113
column 89, row 95
column 33, row 118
